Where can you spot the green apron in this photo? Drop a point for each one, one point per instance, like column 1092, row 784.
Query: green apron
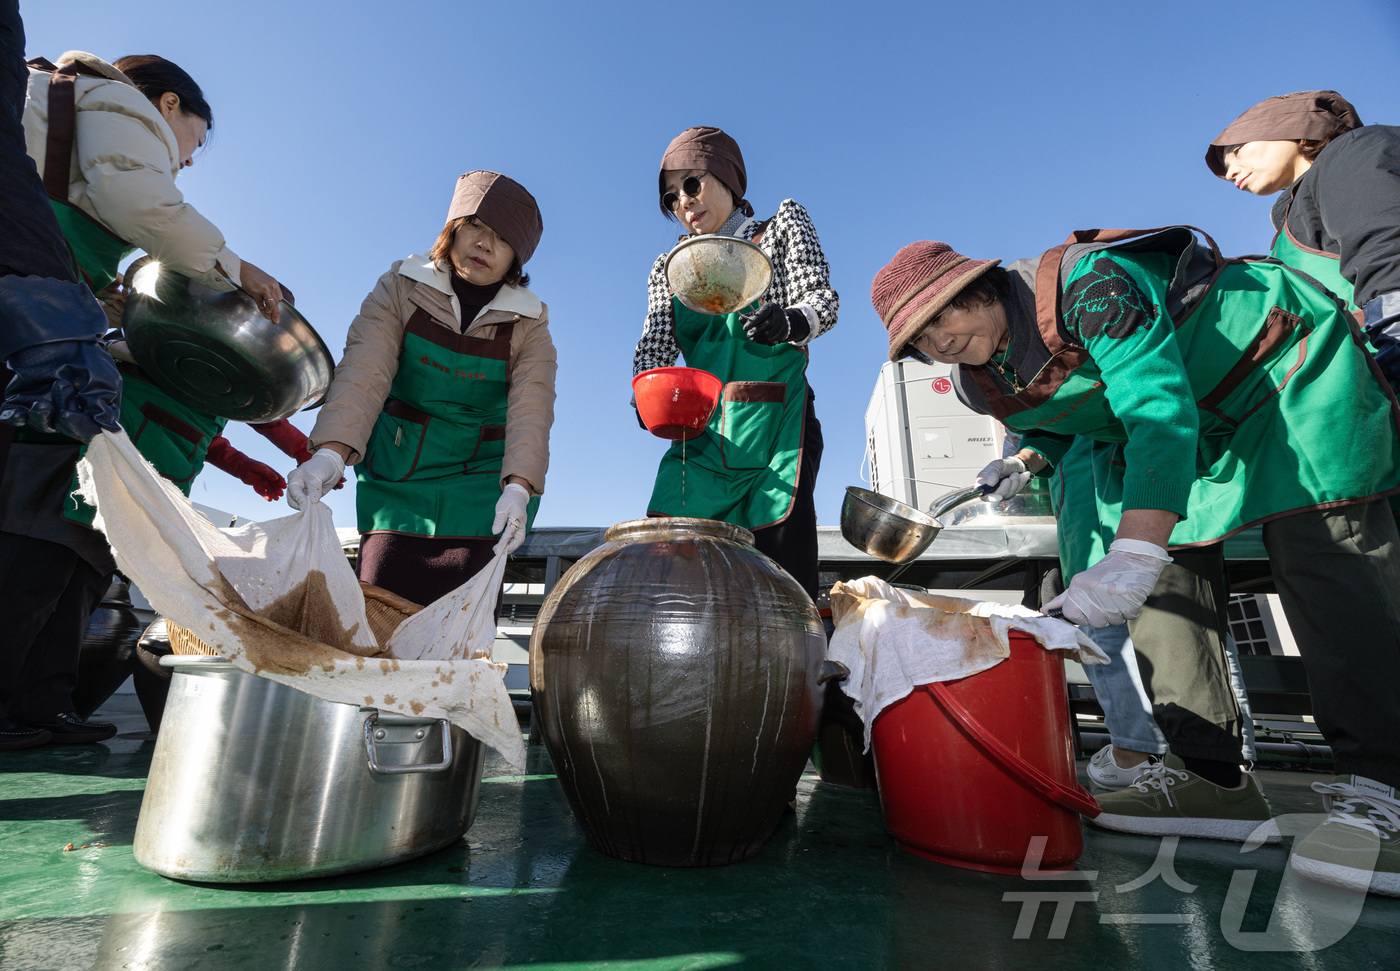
column 1324, row 267
column 432, row 466
column 172, row 436
column 1268, row 356
column 742, row 468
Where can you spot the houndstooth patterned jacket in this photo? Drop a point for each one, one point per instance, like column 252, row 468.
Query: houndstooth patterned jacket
column 801, row 280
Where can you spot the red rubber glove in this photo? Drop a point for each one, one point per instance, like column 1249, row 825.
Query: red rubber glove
column 290, row 440
column 263, row 478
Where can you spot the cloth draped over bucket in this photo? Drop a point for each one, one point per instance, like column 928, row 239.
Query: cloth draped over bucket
column 894, row 639
column 279, row 600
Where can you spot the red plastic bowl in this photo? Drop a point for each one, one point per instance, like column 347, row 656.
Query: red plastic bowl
column 676, row 402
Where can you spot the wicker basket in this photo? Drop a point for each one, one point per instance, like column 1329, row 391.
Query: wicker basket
column 385, row 611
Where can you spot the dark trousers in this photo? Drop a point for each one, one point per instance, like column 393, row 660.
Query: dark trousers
column 1338, row 578
column 423, row 568
column 1180, row 642
column 792, row 543
column 31, row 243
column 52, row 592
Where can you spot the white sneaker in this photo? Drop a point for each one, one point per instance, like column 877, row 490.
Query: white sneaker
column 1106, row 773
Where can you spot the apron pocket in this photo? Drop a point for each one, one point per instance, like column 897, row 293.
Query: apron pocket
column 749, row 424
column 396, row 443
column 1261, row 372
column 490, row 451
column 176, row 461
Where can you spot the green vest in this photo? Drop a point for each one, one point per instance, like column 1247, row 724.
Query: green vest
column 742, row 468
column 432, row 466
column 1292, row 413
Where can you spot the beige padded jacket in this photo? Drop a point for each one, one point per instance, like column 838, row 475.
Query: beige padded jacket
column 125, row 159
column 364, row 375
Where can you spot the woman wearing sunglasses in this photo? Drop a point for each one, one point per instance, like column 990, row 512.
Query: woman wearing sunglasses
column 444, row 399
column 1219, row 394
column 756, row 464
column 1338, row 211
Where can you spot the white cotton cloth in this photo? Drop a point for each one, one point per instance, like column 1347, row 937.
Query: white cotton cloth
column 280, row 600
column 893, row 640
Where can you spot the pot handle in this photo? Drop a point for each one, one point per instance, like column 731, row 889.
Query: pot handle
column 833, row 670
column 374, row 765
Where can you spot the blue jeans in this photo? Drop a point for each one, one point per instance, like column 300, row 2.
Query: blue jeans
column 1126, row 711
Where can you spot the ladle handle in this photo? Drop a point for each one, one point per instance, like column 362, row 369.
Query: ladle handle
column 957, row 497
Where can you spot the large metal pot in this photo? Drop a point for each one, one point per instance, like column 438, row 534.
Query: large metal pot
column 675, row 673
column 216, row 351
column 252, row 780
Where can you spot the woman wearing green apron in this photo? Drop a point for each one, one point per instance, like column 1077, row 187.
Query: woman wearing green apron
column 1219, row 394
column 1338, row 211
column 756, row 464
column 444, row 400
column 108, row 145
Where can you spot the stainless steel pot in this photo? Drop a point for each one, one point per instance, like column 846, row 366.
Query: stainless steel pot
column 217, row 352
column 252, row 780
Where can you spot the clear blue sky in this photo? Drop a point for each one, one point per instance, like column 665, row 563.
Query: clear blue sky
column 340, row 129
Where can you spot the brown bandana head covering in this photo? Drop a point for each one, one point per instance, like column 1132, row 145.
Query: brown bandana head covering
column 1303, row 115
column 715, row 152
column 911, row 289
column 504, row 205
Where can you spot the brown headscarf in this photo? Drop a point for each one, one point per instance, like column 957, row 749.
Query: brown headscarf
column 504, row 205
column 713, row 151
column 1304, row 115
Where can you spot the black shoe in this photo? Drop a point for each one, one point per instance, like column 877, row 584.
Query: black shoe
column 69, row 729
column 14, row 737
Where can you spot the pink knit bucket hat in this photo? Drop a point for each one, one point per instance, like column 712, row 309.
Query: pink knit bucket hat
column 911, row 289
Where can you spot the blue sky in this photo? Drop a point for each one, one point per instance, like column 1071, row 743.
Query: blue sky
column 998, row 128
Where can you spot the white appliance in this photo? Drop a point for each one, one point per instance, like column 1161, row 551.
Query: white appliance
column 922, row 441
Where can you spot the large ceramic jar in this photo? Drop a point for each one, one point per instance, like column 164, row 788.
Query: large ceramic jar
column 674, row 672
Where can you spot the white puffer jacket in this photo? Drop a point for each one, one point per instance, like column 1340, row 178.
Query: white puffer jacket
column 125, row 159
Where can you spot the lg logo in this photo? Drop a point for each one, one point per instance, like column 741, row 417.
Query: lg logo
column 942, row 386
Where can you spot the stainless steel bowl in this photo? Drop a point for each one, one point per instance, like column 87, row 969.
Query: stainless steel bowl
column 718, row 274
column 217, row 352
column 885, row 528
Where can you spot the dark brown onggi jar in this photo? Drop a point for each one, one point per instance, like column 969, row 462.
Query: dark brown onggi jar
column 675, row 674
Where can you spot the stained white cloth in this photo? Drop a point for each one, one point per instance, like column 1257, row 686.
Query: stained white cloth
column 893, row 640
column 279, row 600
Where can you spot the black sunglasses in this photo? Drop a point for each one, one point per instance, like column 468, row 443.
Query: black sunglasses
column 691, row 187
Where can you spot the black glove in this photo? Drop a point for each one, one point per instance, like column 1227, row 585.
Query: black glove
column 1383, row 331
column 771, row 324
column 68, row 387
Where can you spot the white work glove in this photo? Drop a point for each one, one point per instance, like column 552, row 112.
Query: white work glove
column 1114, row 589
column 510, row 516
column 1009, row 475
column 313, row 478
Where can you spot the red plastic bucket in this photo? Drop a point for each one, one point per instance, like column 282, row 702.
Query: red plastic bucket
column 971, row 771
column 676, row 402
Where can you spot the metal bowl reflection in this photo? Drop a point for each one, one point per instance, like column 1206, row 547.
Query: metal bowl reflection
column 885, row 528
column 216, row 352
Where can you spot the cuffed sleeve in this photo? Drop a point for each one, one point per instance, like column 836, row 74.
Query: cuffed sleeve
column 530, row 404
